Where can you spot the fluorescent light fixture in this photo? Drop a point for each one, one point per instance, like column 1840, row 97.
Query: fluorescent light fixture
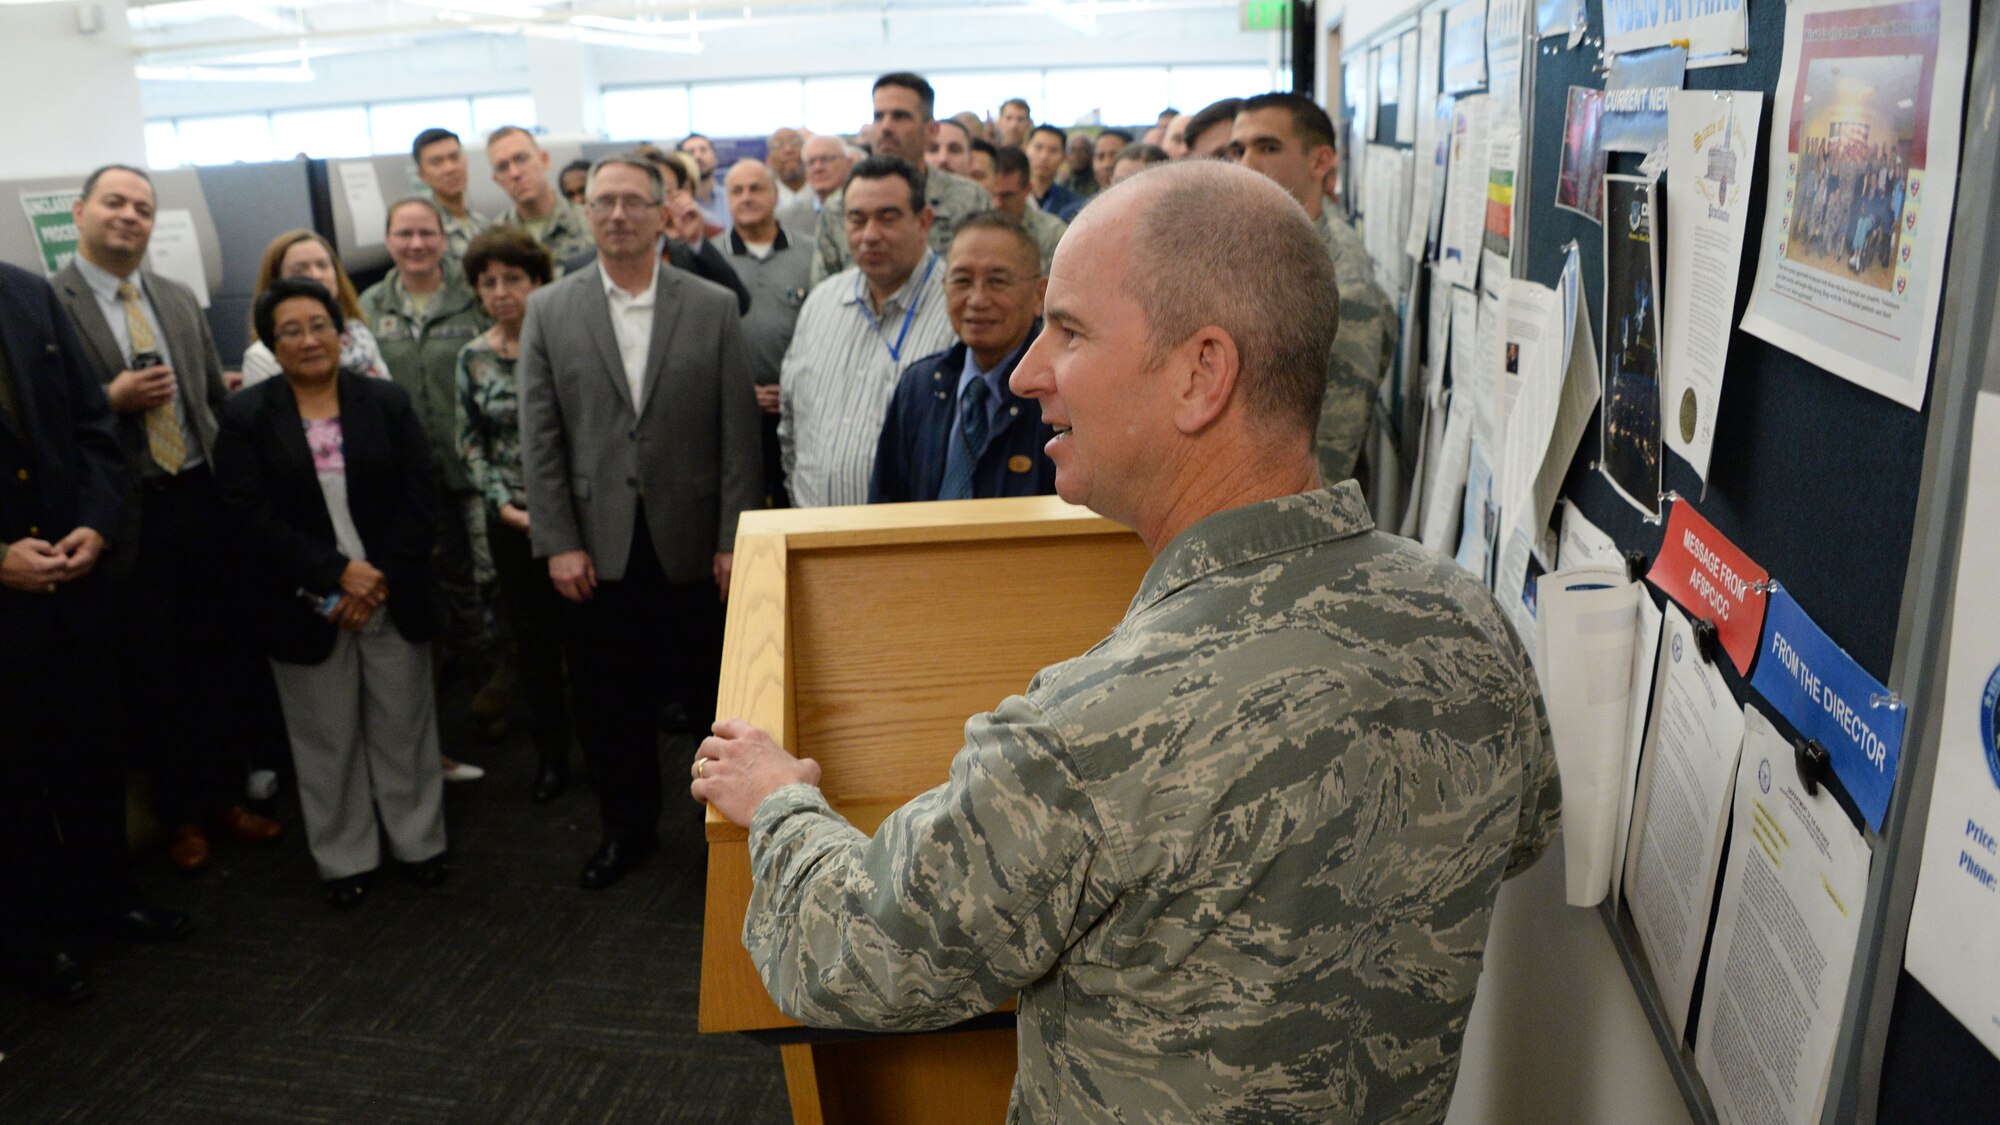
column 622, row 33
column 500, row 8
column 225, row 73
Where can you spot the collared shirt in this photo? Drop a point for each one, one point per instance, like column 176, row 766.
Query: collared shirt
column 565, row 233
column 716, row 211
column 994, row 400
column 104, row 286
column 839, row 374
column 952, row 198
column 1363, row 349
column 632, row 324
column 1238, row 861
column 778, row 284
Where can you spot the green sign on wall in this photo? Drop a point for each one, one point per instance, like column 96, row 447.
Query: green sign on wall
column 54, row 226
column 1266, row 15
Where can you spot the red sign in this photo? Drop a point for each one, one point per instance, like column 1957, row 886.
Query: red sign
column 1711, row 578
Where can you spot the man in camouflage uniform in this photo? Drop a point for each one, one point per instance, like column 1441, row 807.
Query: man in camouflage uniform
column 440, row 161
column 1238, row 860
column 905, row 106
column 1289, row 139
column 521, row 169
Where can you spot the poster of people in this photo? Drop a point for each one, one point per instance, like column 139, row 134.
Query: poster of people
column 1863, row 163
column 1580, row 179
column 1631, row 415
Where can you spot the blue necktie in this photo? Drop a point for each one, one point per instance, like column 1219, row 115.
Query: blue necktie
column 964, row 457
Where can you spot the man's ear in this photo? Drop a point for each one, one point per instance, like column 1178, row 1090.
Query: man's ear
column 1206, row 368
column 1323, row 160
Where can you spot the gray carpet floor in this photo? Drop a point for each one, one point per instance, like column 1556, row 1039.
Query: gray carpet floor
column 505, row 995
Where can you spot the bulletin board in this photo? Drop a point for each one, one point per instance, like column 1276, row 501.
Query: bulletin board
column 1844, row 496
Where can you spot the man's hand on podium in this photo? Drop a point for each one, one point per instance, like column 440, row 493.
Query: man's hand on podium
column 739, row 765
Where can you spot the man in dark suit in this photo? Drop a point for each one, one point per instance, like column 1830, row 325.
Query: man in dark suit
column 62, row 794
column 148, row 343
column 956, row 430
column 640, row 448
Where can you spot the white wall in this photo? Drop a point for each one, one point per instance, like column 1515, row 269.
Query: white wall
column 1556, row 1033
column 72, row 99
column 1361, row 18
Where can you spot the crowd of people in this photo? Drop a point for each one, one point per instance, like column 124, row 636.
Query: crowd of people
column 518, row 460
column 1851, row 199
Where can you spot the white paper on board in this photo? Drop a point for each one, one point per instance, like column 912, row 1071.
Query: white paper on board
column 1951, row 949
column 1465, row 192
column 1645, row 659
column 1586, row 623
column 365, row 205
column 1711, row 164
column 1447, row 485
column 1785, row 931
column 175, row 251
column 1583, row 542
column 1680, row 812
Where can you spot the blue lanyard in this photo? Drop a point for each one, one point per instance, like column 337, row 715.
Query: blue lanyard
column 916, row 298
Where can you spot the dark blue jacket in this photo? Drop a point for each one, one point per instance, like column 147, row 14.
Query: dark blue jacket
column 67, row 471
column 916, row 436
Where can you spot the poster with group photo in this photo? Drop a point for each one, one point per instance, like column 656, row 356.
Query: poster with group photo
column 1631, row 414
column 1864, row 157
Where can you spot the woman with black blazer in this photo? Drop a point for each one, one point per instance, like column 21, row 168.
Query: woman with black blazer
column 328, row 477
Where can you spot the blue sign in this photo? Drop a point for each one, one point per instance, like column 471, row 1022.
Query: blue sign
column 1828, row 697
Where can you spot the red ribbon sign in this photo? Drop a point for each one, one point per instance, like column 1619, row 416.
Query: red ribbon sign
column 1711, row 578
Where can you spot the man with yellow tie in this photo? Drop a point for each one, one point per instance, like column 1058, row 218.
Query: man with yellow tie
column 184, row 671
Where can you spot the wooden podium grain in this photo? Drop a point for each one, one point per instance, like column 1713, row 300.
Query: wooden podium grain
column 864, row 638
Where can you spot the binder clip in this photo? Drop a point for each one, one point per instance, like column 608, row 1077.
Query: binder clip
column 1707, row 639
column 1635, row 565
column 1814, row 763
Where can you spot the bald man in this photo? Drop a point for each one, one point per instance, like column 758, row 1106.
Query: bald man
column 774, row 265
column 1237, row 861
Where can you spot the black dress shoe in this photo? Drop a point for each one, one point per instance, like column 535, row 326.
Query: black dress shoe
column 346, row 894
column 429, row 872
column 140, row 922
column 58, row 978
column 551, row 779
column 613, row 860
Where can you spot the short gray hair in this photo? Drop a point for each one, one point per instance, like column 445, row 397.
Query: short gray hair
column 630, row 160
column 1219, row 244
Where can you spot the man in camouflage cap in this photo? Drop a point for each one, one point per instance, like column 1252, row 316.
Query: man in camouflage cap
column 1289, row 139
column 1239, row 859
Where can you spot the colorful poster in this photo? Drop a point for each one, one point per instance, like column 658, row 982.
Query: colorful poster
column 1714, row 32
column 1580, row 179
column 1826, row 696
column 1702, row 570
column 1864, row 159
column 1465, row 47
column 54, row 225
column 1711, row 163
column 1631, row 419
column 1957, row 911
column 1503, row 158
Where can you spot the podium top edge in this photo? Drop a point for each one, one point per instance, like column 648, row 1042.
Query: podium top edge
column 934, row 521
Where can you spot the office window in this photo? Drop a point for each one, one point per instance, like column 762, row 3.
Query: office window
column 490, row 111
column 646, row 113
column 242, row 137
column 393, row 125
column 163, row 146
column 1126, row 95
column 982, row 91
column 322, row 133
column 746, row 109
column 1189, row 88
column 839, row 105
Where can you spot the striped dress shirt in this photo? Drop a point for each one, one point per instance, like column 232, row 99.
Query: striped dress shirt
column 839, row 373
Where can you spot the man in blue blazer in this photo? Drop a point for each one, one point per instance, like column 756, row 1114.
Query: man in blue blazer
column 956, row 430
column 62, row 792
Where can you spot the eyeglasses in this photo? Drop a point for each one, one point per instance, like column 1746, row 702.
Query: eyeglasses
column 996, row 285
column 293, row 333
column 611, row 205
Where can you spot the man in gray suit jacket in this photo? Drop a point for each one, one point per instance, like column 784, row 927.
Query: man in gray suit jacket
column 640, row 447
column 185, row 675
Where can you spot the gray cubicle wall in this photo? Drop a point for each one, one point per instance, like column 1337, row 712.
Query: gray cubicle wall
column 255, row 203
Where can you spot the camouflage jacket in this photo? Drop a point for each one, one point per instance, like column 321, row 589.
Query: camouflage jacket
column 489, row 424
column 566, row 237
column 421, row 349
column 1047, row 231
column 953, row 199
column 1362, row 351
column 459, row 233
column 1238, row 860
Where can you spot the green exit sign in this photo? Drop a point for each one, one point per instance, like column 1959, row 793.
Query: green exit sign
column 1267, row 15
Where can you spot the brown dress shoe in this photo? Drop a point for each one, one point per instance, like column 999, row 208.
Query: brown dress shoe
column 189, row 851
column 246, row 827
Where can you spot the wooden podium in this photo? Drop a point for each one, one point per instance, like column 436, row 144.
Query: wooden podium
column 864, row 638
